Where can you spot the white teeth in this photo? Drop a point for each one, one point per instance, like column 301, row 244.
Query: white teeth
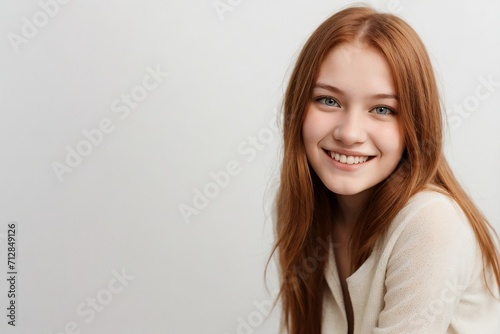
column 348, row 159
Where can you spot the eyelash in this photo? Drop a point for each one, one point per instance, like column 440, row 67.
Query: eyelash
column 320, row 99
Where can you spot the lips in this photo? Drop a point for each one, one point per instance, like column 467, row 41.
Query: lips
column 347, row 159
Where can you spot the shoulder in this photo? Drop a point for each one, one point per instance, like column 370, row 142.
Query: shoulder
column 430, row 260
column 431, row 213
column 432, row 231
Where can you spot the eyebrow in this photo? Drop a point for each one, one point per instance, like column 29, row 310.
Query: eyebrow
column 341, row 92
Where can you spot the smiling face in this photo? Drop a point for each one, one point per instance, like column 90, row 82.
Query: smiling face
column 351, row 133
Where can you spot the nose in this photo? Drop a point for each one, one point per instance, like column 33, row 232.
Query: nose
column 350, row 128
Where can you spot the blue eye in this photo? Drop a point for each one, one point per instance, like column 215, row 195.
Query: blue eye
column 382, row 111
column 328, row 101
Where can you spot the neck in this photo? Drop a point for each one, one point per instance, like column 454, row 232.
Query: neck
column 350, row 206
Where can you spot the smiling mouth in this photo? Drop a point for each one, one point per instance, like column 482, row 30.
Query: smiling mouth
column 348, row 159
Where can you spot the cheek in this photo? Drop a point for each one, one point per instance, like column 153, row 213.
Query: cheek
column 313, row 128
column 391, row 141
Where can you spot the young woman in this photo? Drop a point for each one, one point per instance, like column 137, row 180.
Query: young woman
column 374, row 234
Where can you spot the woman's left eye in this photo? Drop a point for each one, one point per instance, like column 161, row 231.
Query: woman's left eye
column 382, row 111
column 328, row 101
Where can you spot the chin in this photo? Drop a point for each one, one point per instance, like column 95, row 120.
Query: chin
column 348, row 190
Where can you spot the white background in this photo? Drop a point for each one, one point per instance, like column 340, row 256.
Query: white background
column 119, row 209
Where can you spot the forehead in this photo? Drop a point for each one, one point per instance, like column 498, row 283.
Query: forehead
column 357, row 67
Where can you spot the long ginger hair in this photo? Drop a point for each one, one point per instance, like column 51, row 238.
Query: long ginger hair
column 305, row 207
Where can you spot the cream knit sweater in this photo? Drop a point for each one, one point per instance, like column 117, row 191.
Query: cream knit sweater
column 425, row 276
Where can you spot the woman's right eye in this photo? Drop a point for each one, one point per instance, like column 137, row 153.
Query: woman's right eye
column 328, row 101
